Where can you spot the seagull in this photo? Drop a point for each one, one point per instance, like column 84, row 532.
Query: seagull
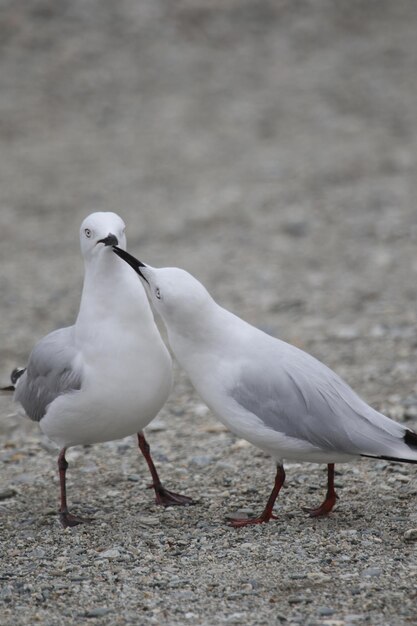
column 107, row 376
column 274, row 395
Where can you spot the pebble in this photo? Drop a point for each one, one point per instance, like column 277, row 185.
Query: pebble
column 410, row 534
column 226, row 466
column 100, row 611
column 298, row 599
column 9, row 492
column 148, row 520
column 156, row 426
column 134, row 478
column 243, row 513
column 200, row 410
column 325, row 611
column 372, row 571
column 201, row 461
column 112, row 553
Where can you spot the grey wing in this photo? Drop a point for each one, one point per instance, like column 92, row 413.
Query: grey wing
column 51, row 372
column 297, row 395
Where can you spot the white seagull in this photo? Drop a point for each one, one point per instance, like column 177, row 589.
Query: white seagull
column 107, row 376
column 267, row 391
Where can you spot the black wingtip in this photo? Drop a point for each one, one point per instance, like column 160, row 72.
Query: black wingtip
column 14, row 377
column 410, row 438
column 394, row 459
column 16, row 374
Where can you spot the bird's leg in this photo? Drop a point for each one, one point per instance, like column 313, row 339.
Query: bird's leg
column 66, row 518
column 162, row 495
column 267, row 514
column 331, row 497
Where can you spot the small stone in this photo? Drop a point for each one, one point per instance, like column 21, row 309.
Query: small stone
column 226, row 466
column 201, row 461
column 325, row 611
column 38, row 553
column 216, row 427
column 147, row 520
column 410, row 413
column 241, row 514
column 7, row 493
column 298, row 599
column 235, row 618
column 410, row 534
column 133, row 478
column 200, row 410
column 318, row 577
column 97, row 612
column 402, row 478
column 372, row 571
column 112, row 553
column 156, row 426
column 240, row 444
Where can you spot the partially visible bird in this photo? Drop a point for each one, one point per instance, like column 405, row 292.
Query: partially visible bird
column 267, row 391
column 107, row 376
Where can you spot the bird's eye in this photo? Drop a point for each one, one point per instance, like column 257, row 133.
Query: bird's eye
column 87, row 233
column 157, row 293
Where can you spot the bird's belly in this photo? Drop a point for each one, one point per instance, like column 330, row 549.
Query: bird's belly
column 107, row 408
column 72, row 421
column 282, row 447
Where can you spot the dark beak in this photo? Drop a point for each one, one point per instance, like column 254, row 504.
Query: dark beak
column 130, row 260
column 110, row 240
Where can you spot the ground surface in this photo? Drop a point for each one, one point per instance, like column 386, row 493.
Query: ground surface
column 269, row 147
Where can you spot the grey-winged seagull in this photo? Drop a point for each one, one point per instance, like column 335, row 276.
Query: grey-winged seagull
column 267, row 391
column 107, row 376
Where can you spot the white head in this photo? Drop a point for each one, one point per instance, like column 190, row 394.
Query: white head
column 99, row 232
column 179, row 298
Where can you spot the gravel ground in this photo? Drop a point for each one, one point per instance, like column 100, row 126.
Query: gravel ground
column 270, row 148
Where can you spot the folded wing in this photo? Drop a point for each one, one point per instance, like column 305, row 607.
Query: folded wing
column 52, row 370
column 294, row 394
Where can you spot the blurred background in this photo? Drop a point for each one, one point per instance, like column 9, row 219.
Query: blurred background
column 267, row 146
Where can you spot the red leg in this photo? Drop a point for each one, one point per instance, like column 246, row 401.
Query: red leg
column 66, row 518
column 331, row 497
column 267, row 514
column 162, row 495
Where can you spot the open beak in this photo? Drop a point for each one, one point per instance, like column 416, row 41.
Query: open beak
column 130, row 260
column 110, row 240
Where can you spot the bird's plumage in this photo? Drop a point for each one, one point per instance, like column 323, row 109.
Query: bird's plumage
column 109, row 374
column 52, row 370
column 321, row 417
column 273, row 394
